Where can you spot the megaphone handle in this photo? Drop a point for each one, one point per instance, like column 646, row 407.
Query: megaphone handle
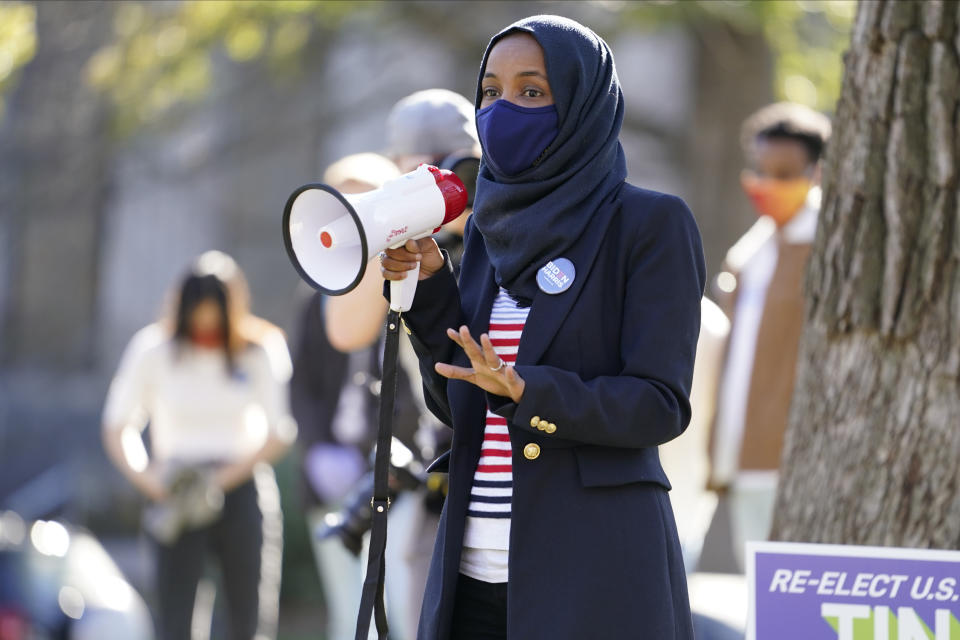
column 403, row 291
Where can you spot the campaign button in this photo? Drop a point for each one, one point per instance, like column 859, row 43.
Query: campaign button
column 556, row 276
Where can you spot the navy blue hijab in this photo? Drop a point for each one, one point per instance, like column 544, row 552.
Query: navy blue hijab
column 535, row 216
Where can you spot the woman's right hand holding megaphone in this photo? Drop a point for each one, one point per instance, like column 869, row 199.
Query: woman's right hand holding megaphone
column 487, row 371
column 395, row 263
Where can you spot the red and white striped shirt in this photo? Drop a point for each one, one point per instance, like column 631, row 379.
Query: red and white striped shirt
column 487, row 536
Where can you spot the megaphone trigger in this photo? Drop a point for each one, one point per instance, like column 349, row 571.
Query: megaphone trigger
column 329, row 236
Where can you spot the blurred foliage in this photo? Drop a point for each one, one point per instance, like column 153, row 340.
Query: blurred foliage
column 164, row 53
column 18, row 42
column 806, row 37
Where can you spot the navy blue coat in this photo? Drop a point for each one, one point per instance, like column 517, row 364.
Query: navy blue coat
column 594, row 552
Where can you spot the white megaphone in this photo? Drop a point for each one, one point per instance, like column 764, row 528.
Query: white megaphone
column 330, row 236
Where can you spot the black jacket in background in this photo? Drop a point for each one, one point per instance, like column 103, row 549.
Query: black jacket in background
column 319, row 373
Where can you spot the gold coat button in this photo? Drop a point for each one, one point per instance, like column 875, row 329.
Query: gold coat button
column 550, row 428
column 535, row 421
column 531, row 451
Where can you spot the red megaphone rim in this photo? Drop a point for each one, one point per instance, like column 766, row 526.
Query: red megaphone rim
column 453, row 191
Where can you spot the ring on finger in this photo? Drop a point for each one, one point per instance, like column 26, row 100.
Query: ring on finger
column 382, row 255
column 499, row 366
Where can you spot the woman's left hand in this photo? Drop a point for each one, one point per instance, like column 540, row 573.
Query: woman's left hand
column 487, row 370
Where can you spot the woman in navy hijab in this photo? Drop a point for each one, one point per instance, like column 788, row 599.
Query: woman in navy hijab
column 561, row 359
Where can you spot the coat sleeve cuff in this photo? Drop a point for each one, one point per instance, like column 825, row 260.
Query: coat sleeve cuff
column 527, row 413
column 502, row 406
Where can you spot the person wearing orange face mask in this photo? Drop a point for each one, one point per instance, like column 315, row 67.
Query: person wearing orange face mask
column 760, row 289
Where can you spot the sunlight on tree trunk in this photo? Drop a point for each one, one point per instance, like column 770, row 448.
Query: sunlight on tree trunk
column 871, row 453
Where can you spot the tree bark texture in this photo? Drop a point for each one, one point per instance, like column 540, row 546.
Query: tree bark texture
column 871, row 454
column 54, row 158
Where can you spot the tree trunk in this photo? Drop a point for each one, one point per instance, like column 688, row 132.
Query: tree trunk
column 54, row 153
column 734, row 74
column 872, row 448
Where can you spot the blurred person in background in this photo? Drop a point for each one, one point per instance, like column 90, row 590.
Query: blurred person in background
column 685, row 459
column 760, row 290
column 334, row 401
column 211, row 381
column 434, row 126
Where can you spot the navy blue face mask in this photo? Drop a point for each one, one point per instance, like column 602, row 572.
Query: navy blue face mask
column 513, row 137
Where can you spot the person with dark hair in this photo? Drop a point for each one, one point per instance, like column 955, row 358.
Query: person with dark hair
column 787, row 121
column 217, row 410
column 561, row 358
column 760, row 289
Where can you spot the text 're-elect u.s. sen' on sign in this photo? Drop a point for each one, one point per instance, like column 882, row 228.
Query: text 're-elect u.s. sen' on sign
column 835, row 592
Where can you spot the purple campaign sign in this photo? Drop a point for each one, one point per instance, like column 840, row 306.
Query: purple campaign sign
column 832, row 592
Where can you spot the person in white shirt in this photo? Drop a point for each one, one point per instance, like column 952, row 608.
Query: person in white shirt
column 434, row 126
column 212, row 383
column 335, row 407
column 760, row 289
